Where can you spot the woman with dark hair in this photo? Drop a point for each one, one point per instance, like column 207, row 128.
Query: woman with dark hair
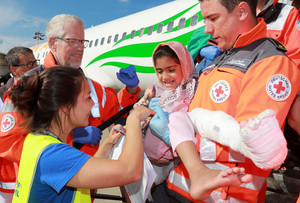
column 53, row 103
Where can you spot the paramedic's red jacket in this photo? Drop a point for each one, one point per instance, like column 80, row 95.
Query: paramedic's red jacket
column 243, row 82
column 284, row 27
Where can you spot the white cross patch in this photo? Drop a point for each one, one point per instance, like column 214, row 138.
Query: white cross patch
column 278, row 87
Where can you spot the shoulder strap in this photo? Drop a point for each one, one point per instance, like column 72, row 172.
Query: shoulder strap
column 279, row 46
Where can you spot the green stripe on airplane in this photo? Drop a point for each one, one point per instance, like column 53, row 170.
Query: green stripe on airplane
column 139, row 69
column 138, row 50
column 144, row 50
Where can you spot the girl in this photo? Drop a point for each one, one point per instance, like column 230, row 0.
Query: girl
column 176, row 74
column 55, row 102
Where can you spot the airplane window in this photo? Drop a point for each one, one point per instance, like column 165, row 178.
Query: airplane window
column 116, row 38
column 132, row 34
column 150, row 30
column 142, row 30
column 181, row 23
column 96, row 42
column 91, row 43
column 108, row 39
column 102, row 40
column 124, row 36
column 160, row 28
column 170, row 25
column 194, row 20
column 86, row 44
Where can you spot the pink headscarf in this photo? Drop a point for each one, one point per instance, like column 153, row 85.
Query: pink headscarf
column 180, row 98
column 185, row 59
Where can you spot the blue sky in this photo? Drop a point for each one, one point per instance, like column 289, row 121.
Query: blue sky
column 20, row 19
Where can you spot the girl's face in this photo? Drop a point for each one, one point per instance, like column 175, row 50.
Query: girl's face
column 168, row 72
column 80, row 113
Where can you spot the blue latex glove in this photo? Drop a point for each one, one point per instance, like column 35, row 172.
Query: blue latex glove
column 128, row 76
column 203, row 64
column 210, row 52
column 87, row 135
column 153, row 102
column 159, row 122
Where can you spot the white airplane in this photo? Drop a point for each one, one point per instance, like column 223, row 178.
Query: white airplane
column 132, row 39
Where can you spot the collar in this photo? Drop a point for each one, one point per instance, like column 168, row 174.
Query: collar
column 268, row 10
column 50, row 61
column 258, row 32
column 48, row 132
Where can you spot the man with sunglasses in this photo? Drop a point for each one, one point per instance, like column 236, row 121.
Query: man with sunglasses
column 19, row 60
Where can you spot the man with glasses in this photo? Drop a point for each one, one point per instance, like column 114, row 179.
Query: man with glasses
column 66, row 41
column 19, row 60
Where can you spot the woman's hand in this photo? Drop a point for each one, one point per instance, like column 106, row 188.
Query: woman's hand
column 115, row 133
column 141, row 113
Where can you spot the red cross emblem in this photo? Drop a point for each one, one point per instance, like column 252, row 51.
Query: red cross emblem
column 220, row 91
column 278, row 87
column 8, row 122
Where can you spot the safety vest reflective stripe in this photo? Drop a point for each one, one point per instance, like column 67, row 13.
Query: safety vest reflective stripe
column 8, row 107
column 208, row 152
column 7, row 186
column 281, row 19
column 95, row 111
column 96, row 108
column 178, row 182
column 120, row 106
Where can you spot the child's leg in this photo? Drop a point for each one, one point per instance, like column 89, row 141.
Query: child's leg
column 203, row 179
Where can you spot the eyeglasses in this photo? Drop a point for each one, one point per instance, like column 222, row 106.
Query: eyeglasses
column 72, row 42
column 29, row 64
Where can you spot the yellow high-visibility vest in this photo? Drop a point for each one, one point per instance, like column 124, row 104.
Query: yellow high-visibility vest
column 33, row 147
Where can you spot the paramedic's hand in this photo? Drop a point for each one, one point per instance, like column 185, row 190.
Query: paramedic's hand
column 203, row 64
column 153, row 102
column 128, row 76
column 159, row 123
column 87, row 135
column 210, row 52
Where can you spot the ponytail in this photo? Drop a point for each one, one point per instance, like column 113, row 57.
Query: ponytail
column 38, row 97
